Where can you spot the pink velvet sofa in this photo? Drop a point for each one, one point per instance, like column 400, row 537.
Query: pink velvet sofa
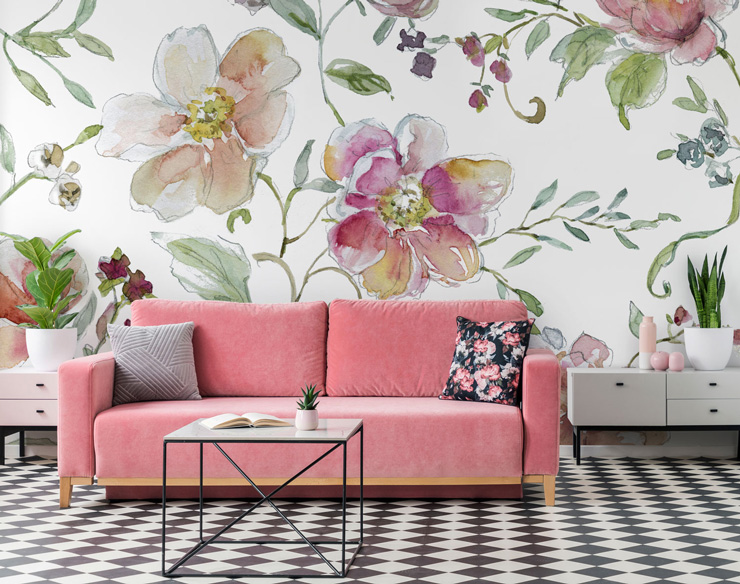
column 383, row 361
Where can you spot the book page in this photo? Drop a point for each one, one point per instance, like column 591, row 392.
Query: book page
column 216, row 421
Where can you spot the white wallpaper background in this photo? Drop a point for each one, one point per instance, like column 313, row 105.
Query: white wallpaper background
column 429, row 245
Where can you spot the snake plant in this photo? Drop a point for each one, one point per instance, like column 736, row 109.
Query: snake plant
column 309, row 398
column 708, row 288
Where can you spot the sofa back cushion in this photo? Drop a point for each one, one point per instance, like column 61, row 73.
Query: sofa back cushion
column 400, row 348
column 248, row 349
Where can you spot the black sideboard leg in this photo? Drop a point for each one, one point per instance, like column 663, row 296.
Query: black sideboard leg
column 737, row 456
column 575, row 444
column 21, row 443
column 2, row 445
column 578, row 447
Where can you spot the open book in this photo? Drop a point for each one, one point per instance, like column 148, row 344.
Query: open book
column 250, row 420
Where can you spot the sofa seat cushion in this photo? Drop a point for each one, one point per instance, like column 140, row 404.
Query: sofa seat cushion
column 404, row 437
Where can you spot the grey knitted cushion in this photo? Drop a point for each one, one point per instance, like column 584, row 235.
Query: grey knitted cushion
column 153, row 363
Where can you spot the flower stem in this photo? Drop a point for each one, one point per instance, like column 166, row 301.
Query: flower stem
column 264, row 256
column 322, row 37
column 19, row 184
column 730, row 62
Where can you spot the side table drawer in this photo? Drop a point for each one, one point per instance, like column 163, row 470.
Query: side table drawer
column 704, row 412
column 704, row 385
column 28, row 385
column 612, row 399
column 23, row 412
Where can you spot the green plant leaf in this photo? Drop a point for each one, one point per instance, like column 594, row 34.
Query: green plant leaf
column 297, row 14
column 635, row 319
column 52, row 283
column 323, row 185
column 721, row 113
column 35, row 250
column 588, row 213
column 106, row 286
column 545, row 195
column 59, row 242
column 385, row 28
column 211, row 269
column 665, row 154
column 242, row 214
column 636, row 82
column 42, row 42
column 85, row 317
column 84, row 11
column 300, row 170
column 93, row 44
column 64, row 319
column 7, row 150
column 616, row 216
column 32, row 285
column 501, row 289
column 688, row 104
column 356, row 77
column 618, row 199
column 581, row 198
column 32, row 85
column 697, row 92
column 643, row 224
column 735, row 211
column 522, row 256
column 581, row 50
column 508, row 15
column 530, row 301
column 554, row 242
column 78, row 92
column 40, row 314
column 63, row 259
column 87, row 133
column 669, row 217
column 576, row 232
column 492, row 44
column 361, row 7
column 624, row 240
column 539, row 35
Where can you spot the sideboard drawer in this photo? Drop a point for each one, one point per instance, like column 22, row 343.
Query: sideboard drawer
column 28, row 412
column 704, row 412
column 704, row 385
column 629, row 398
column 28, row 385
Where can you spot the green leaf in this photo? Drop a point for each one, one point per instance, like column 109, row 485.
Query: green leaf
column 554, row 242
column 669, row 217
column 522, row 256
column 664, row 154
column 555, row 5
column 530, row 301
column 721, row 113
column 539, row 35
column 588, row 213
column 63, row 259
column 688, row 104
column 84, row 11
column 535, row 329
column 508, row 15
column 501, row 289
column 576, row 232
column 42, row 42
column 85, row 316
column 385, row 28
column 624, row 240
column 106, row 286
column 356, row 77
column 300, row 170
column 297, row 14
column 493, row 43
column 7, row 150
column 40, row 314
column 581, row 50
column 581, row 198
column 545, row 195
column 93, row 44
column 616, row 216
column 52, row 283
column 78, row 92
column 620, row 196
column 323, row 185
column 35, row 250
column 635, row 320
column 643, row 224
column 636, row 82
column 697, row 92
column 32, row 85
column 87, row 133
column 242, row 214
column 211, row 269
column 735, row 211
column 58, row 243
column 64, row 319
column 361, row 7
column 32, row 284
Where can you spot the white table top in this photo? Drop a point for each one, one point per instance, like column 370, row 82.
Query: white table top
column 329, row 430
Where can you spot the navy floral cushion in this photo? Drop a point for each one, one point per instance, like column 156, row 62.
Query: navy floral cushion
column 487, row 364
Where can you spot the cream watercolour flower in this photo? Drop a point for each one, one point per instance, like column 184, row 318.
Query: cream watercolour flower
column 217, row 120
column 47, row 160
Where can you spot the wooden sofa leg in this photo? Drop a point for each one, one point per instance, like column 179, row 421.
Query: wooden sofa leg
column 548, row 483
column 65, row 491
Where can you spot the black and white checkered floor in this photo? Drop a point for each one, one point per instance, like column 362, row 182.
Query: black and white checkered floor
column 623, row 521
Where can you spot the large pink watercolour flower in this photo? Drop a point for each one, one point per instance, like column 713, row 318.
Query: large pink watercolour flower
column 204, row 141
column 407, row 214
column 687, row 29
column 406, row 8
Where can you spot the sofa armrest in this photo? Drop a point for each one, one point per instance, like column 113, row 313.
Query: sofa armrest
column 85, row 390
column 541, row 412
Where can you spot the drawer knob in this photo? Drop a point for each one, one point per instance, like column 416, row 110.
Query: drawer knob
column 39, row 411
column 39, row 385
column 619, row 384
column 714, row 410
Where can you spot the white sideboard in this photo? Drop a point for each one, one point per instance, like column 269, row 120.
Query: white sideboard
column 28, row 401
column 634, row 399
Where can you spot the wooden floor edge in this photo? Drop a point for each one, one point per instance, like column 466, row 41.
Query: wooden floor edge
column 330, row 481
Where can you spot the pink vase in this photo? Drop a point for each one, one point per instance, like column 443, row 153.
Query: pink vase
column 676, row 361
column 659, row 360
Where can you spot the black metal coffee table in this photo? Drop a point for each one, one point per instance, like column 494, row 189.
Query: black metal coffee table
column 334, row 432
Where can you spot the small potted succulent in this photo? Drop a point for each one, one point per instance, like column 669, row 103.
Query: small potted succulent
column 709, row 345
column 307, row 416
column 48, row 342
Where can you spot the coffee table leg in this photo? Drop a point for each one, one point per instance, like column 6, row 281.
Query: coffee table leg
column 362, row 483
column 164, row 499
column 200, row 494
column 344, row 507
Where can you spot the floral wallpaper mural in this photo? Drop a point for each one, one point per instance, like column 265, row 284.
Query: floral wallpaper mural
column 567, row 154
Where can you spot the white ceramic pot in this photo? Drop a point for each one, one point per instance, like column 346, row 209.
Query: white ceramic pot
column 49, row 348
column 306, row 419
column 708, row 349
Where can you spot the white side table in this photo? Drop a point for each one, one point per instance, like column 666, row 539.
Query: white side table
column 634, row 399
column 28, row 401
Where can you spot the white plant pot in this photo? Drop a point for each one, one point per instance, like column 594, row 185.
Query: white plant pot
column 49, row 348
column 708, row 349
column 306, row 419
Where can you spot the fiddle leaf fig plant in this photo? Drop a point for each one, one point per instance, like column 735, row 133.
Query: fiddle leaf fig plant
column 708, row 289
column 310, row 394
column 48, row 281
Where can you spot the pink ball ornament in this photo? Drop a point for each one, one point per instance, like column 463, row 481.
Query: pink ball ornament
column 676, row 361
column 659, row 360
